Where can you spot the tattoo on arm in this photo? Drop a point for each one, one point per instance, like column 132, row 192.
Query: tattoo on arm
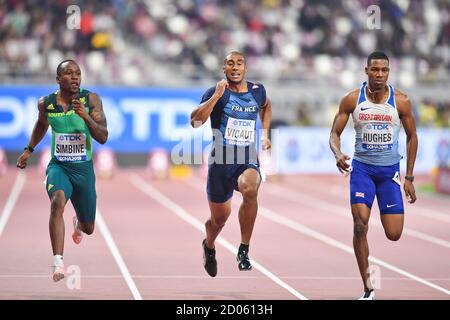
column 97, row 120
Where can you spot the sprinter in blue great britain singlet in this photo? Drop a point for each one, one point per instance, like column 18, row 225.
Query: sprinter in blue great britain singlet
column 378, row 111
column 233, row 106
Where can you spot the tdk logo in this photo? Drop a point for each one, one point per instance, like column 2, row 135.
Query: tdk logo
column 242, row 123
column 69, row 137
column 377, row 126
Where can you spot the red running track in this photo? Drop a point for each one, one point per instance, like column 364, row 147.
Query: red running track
column 147, row 243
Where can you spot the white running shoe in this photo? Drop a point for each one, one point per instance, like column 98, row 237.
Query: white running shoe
column 368, row 295
column 77, row 235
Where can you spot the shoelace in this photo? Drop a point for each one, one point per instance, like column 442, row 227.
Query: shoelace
column 243, row 257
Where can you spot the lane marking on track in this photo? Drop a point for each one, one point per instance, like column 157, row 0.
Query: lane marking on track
column 417, row 209
column 297, row 197
column 300, row 198
column 117, row 256
column 291, row 224
column 156, row 195
column 12, row 199
column 120, row 276
column 294, row 225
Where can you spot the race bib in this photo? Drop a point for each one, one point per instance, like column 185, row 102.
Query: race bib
column 70, row 147
column 240, row 131
column 377, row 136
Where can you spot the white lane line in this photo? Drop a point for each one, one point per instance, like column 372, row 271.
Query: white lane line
column 12, row 199
column 294, row 225
column 416, row 209
column 328, row 240
column 119, row 276
column 149, row 190
column 432, row 214
column 117, row 256
column 300, row 198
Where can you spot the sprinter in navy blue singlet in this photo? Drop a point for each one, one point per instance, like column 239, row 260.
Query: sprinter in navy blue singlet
column 233, row 106
column 378, row 111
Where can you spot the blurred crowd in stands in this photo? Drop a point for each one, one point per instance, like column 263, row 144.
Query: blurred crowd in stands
column 183, row 42
column 432, row 114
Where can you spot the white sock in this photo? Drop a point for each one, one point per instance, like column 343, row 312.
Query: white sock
column 58, row 260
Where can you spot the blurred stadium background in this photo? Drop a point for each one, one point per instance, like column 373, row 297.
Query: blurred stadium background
column 150, row 61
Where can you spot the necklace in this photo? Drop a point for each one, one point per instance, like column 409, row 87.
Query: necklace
column 370, row 91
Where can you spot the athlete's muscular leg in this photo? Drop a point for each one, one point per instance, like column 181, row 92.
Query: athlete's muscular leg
column 219, row 216
column 390, row 202
column 393, row 225
column 361, row 214
column 248, row 184
column 56, row 222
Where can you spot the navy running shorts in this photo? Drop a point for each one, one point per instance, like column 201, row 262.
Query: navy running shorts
column 223, row 180
column 367, row 180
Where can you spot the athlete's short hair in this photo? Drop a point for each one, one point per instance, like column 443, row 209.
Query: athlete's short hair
column 59, row 67
column 377, row 55
column 234, row 52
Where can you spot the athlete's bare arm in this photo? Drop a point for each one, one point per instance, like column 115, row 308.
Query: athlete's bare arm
column 409, row 123
column 201, row 114
column 95, row 120
column 346, row 107
column 39, row 131
column 265, row 114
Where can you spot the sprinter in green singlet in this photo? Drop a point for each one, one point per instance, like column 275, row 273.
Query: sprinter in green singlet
column 75, row 116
